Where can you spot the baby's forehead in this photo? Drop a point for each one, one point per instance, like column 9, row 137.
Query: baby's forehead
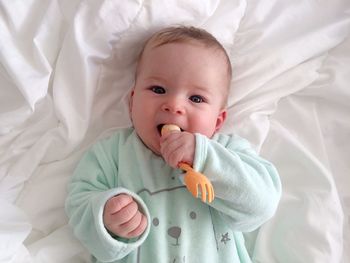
column 154, row 44
column 151, row 49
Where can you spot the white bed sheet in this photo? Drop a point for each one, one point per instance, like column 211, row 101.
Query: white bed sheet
column 66, row 68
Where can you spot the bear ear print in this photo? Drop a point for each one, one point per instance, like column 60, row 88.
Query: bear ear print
column 193, row 215
column 155, row 221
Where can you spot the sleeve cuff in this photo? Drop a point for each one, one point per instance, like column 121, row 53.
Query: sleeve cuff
column 109, row 242
column 200, row 152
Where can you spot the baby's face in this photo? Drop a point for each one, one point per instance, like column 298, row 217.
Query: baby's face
column 179, row 83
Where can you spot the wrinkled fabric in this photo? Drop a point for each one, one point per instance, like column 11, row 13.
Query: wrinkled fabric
column 247, row 191
column 66, row 69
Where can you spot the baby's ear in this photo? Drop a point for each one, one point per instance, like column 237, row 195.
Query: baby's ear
column 220, row 119
column 131, row 99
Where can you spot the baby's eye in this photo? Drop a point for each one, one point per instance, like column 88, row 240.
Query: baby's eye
column 158, row 89
column 197, row 99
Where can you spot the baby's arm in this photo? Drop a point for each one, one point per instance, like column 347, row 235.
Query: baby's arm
column 247, row 187
column 122, row 217
column 92, row 185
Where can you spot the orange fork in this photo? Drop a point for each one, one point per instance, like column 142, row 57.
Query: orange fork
column 193, row 179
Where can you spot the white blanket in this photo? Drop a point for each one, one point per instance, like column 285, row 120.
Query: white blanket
column 66, row 68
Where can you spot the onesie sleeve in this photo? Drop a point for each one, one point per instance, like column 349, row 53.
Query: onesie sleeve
column 247, row 187
column 92, row 184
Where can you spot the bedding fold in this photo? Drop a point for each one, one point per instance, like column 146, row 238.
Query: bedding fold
column 66, row 69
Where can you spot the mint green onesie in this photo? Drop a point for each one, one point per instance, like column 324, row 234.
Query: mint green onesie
column 181, row 228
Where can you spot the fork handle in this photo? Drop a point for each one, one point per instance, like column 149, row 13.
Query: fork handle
column 185, row 166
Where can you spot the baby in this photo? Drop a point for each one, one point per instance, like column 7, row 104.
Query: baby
column 127, row 201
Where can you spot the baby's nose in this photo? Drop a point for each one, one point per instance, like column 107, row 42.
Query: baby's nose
column 173, row 107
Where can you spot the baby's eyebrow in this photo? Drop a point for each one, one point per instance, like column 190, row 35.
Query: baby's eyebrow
column 155, row 78
column 203, row 89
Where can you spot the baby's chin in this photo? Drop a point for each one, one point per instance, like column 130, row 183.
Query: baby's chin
column 155, row 151
column 153, row 148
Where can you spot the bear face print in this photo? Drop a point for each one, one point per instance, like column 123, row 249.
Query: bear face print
column 181, row 228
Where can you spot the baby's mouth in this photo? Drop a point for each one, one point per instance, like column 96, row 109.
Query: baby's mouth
column 160, row 126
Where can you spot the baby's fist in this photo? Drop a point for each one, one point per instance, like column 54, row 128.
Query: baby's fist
column 122, row 217
column 177, row 147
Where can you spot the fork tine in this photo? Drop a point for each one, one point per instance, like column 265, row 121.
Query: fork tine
column 210, row 192
column 208, row 188
column 203, row 192
column 197, row 182
column 195, row 191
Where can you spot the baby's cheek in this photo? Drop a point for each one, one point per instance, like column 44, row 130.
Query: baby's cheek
column 205, row 126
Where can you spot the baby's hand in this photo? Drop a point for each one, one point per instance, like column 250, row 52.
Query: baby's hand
column 122, row 217
column 177, row 147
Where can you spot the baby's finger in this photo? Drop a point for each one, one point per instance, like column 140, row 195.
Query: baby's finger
column 168, row 147
column 131, row 225
column 125, row 214
column 171, row 142
column 172, row 153
column 116, row 203
column 175, row 157
column 169, row 137
column 140, row 229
